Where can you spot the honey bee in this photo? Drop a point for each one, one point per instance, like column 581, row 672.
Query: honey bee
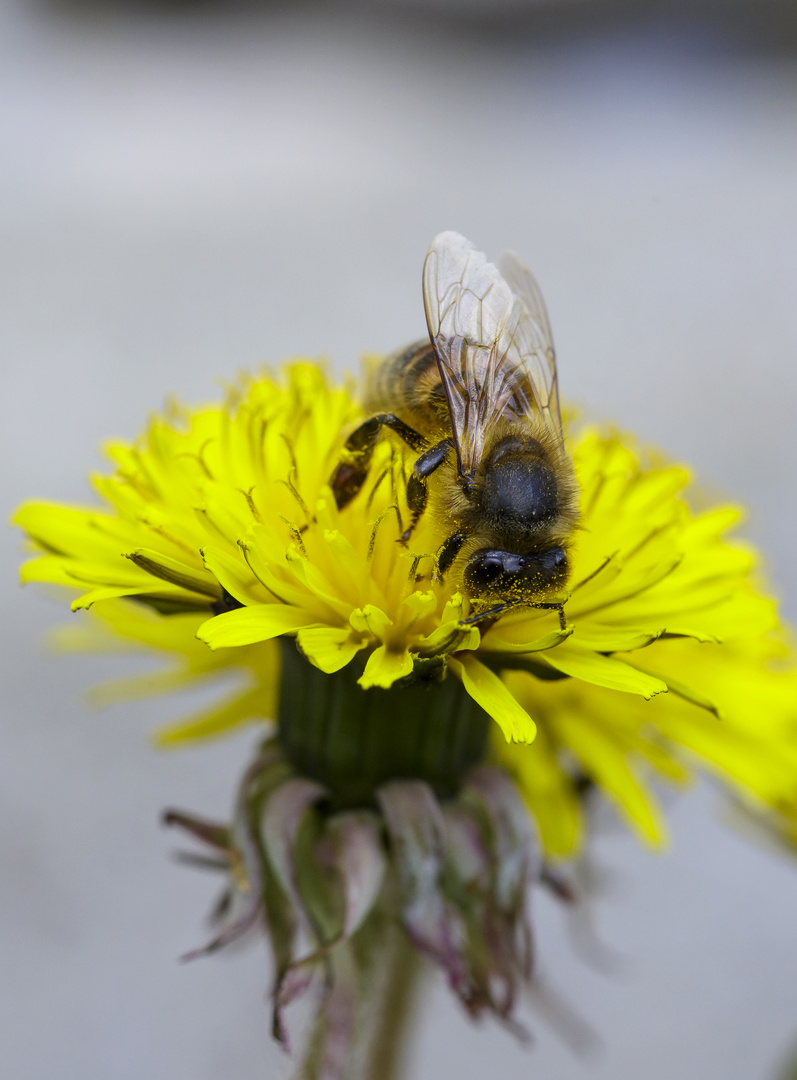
column 479, row 403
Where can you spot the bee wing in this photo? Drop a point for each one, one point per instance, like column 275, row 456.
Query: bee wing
column 538, row 356
column 493, row 351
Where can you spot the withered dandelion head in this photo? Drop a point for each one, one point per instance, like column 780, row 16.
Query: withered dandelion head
column 451, row 617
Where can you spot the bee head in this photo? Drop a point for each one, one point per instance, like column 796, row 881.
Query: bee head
column 491, row 574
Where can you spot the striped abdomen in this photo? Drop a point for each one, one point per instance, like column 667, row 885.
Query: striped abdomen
column 408, row 384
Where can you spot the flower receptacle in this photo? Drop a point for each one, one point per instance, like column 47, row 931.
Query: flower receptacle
column 352, row 740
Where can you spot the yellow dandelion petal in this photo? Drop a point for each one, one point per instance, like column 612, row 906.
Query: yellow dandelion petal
column 610, row 639
column 271, row 570
column 604, row 760
column 218, row 719
column 594, row 667
column 384, row 667
column 246, row 625
column 502, row 640
column 419, row 604
column 320, row 586
column 546, row 786
column 234, row 575
column 449, row 637
column 330, row 649
column 167, row 597
column 49, row 570
column 352, row 570
column 485, row 687
column 69, row 530
column 175, row 572
column 370, row 620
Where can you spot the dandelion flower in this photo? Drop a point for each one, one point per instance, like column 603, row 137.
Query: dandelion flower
column 222, row 527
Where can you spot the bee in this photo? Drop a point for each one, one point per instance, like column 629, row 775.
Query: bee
column 479, row 403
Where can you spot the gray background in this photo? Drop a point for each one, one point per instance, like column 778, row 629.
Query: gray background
column 186, row 191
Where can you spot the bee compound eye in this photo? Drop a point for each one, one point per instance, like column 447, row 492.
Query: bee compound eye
column 484, row 569
column 552, row 565
column 510, row 575
column 490, row 568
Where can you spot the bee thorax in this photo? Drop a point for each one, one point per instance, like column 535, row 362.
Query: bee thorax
column 519, row 490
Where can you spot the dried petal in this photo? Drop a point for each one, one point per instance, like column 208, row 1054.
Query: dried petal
column 417, row 835
column 353, row 845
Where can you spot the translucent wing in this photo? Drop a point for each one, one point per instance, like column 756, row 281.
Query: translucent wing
column 538, row 354
column 492, row 342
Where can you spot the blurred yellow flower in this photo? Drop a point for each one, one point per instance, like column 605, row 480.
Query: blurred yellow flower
column 221, row 525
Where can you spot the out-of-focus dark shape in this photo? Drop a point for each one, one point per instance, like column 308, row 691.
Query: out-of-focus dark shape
column 766, row 24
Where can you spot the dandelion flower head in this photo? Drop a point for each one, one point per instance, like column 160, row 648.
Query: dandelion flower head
column 219, row 534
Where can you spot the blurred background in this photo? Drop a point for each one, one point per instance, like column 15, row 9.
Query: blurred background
column 189, row 189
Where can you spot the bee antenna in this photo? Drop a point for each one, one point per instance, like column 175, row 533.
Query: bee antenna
column 491, row 614
column 496, row 611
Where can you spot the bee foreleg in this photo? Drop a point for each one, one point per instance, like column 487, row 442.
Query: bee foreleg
column 350, row 475
column 555, row 607
column 417, row 490
column 448, row 551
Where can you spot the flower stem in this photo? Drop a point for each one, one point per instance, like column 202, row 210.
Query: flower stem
column 371, row 1043
column 394, row 1012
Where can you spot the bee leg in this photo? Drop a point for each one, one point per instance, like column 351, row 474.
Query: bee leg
column 556, row 607
column 350, row 476
column 417, row 490
column 449, row 550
